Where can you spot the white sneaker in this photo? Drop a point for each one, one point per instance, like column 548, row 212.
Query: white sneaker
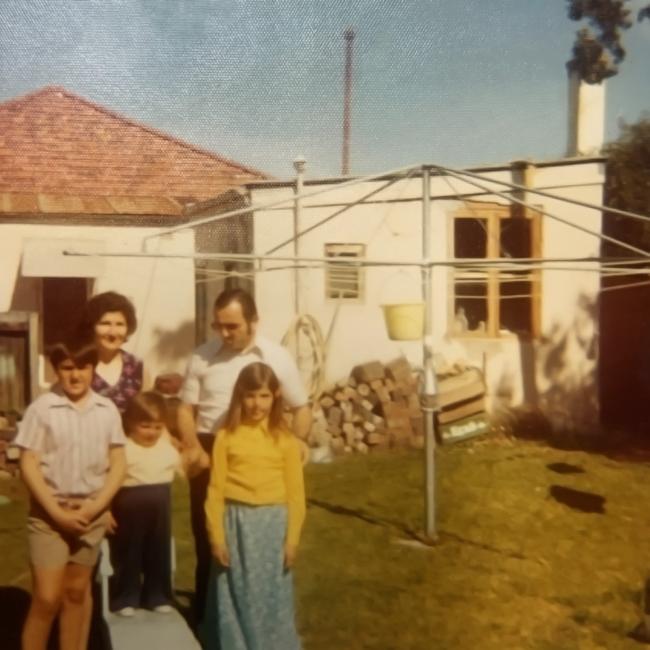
column 126, row 611
column 163, row 609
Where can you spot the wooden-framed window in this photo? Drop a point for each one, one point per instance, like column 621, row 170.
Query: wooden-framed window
column 491, row 301
column 344, row 281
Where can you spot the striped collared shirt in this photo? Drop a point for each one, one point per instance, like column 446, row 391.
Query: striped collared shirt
column 73, row 443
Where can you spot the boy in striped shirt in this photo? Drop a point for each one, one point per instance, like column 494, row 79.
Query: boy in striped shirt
column 72, row 461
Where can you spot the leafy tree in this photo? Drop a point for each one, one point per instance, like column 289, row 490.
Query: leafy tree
column 628, row 183
column 598, row 48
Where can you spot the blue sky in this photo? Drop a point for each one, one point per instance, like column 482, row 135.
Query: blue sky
column 459, row 82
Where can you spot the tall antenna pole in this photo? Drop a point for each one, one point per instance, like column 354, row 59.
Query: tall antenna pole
column 349, row 38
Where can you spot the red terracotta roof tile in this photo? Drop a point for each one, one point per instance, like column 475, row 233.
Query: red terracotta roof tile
column 18, row 203
column 62, row 204
column 70, row 152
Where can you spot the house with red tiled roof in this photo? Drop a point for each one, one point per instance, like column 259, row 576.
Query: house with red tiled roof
column 62, row 154
column 78, row 177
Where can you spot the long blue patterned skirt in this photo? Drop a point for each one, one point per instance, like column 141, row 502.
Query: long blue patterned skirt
column 250, row 605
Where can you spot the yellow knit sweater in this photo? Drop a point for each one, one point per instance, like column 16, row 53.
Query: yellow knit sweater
column 251, row 466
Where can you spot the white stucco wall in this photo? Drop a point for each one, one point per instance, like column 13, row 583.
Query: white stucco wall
column 359, row 333
column 162, row 290
column 516, row 372
column 567, row 356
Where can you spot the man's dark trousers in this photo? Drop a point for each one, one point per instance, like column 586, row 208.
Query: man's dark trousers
column 198, row 493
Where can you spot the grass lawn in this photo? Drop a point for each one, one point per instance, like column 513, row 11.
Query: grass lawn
column 538, row 548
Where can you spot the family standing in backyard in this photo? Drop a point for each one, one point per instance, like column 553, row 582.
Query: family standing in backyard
column 243, row 461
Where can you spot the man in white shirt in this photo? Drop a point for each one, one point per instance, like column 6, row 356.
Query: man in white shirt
column 206, row 392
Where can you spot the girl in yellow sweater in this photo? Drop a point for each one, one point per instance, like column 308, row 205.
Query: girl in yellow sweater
column 255, row 509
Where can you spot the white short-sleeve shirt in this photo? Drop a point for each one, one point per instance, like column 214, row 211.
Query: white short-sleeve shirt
column 151, row 465
column 73, row 443
column 214, row 368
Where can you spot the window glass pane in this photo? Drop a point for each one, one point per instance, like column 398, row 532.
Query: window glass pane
column 515, row 237
column 515, row 304
column 470, row 306
column 470, row 237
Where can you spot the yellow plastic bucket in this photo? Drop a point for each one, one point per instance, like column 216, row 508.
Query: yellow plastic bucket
column 404, row 322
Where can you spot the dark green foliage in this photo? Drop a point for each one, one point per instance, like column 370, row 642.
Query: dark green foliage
column 608, row 17
column 628, row 181
column 590, row 59
column 597, row 53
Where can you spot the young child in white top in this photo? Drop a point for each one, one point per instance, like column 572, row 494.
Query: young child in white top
column 141, row 543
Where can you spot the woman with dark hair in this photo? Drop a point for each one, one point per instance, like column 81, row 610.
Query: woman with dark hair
column 108, row 320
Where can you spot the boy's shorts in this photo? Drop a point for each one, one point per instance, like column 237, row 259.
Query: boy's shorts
column 49, row 547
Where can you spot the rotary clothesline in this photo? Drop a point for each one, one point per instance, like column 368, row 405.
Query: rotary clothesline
column 400, row 174
column 444, row 171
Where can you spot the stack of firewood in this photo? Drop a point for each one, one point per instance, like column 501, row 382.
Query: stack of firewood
column 376, row 407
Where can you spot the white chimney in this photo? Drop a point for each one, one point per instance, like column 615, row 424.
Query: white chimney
column 586, row 117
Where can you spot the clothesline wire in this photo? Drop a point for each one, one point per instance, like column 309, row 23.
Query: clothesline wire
column 362, row 262
column 342, row 283
column 469, row 274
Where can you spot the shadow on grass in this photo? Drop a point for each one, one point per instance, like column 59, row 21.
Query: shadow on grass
column 578, row 500
column 372, row 519
column 565, row 468
column 408, row 532
column 641, row 634
column 14, row 603
column 186, row 610
column 184, row 603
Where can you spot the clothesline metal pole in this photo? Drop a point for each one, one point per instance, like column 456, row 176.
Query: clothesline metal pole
column 429, row 387
column 299, row 165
